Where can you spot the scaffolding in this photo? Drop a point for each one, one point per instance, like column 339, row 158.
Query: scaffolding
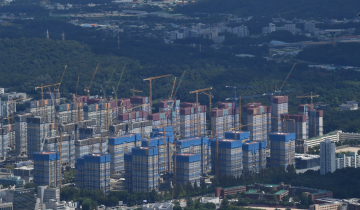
column 188, row 168
column 254, row 156
column 94, row 172
column 229, row 158
column 47, row 168
column 282, row 149
column 118, row 146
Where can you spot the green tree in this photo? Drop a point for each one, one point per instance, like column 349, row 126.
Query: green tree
column 225, row 204
column 113, row 201
column 304, row 200
column 86, row 204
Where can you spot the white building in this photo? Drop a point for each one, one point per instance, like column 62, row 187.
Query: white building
column 343, row 161
column 158, row 206
column 272, row 27
column 327, row 157
column 349, row 105
column 290, row 27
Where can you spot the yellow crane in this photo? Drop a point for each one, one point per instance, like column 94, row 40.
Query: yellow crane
column 197, row 107
column 12, row 109
column 135, row 91
column 172, row 90
column 150, row 79
column 210, row 105
column 87, row 89
column 42, row 93
column 311, row 96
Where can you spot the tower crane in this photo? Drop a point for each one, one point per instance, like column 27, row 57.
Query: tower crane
column 42, row 93
column 311, row 96
column 210, row 97
column 135, row 91
column 197, row 107
column 150, row 79
column 87, row 89
column 279, row 90
column 235, row 98
column 57, row 87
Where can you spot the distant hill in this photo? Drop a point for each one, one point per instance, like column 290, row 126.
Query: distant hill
column 277, row 8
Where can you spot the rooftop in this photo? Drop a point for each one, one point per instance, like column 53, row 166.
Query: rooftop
column 282, row 133
column 251, row 191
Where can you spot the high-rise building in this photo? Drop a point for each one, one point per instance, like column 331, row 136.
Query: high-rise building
column 68, row 113
column 67, row 148
column 175, row 112
column 46, row 168
column 164, row 161
column 44, row 108
column 99, row 113
column 222, row 119
column 258, row 121
column 279, row 107
column 316, row 123
column 229, row 158
column 309, row 26
column 188, row 168
column 292, row 123
column 93, row 172
column 188, row 120
column 4, row 139
column 118, row 146
column 37, row 131
column 196, row 145
column 128, row 171
column 327, row 157
column 142, row 103
column 90, row 145
column 254, row 156
column 21, row 134
column 143, row 170
column 282, row 149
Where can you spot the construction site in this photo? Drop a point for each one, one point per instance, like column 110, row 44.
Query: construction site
column 155, row 151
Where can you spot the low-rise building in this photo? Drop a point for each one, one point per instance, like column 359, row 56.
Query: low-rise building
column 349, row 105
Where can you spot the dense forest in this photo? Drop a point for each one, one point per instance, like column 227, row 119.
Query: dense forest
column 277, row 8
column 28, row 60
column 344, row 54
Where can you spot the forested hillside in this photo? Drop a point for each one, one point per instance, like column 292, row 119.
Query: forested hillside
column 277, row 8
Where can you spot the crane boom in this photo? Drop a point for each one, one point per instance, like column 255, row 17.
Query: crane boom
column 287, row 77
column 150, row 80
column 88, row 88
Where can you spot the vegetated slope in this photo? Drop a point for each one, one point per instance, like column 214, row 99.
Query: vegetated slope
column 29, row 62
column 346, row 54
column 275, row 8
